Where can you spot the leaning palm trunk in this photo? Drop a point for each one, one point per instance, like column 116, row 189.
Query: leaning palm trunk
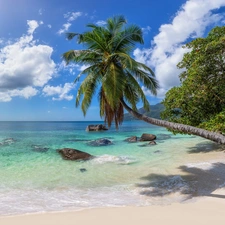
column 213, row 136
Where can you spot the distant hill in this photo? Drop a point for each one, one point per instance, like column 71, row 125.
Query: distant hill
column 155, row 111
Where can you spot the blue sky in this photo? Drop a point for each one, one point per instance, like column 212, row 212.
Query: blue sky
column 35, row 84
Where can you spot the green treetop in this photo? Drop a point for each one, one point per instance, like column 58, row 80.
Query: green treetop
column 200, row 100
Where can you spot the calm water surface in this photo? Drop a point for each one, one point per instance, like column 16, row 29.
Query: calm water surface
column 34, row 178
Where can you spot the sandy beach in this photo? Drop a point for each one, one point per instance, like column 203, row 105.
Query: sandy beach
column 204, row 211
column 178, row 181
column 206, row 208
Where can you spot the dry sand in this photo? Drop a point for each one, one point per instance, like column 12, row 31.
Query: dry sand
column 205, row 211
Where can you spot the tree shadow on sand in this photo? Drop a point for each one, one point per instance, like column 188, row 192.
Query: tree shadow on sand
column 206, row 147
column 196, row 182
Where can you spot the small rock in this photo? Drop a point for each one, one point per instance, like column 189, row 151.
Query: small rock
column 132, row 139
column 152, row 143
column 82, row 170
column 100, row 142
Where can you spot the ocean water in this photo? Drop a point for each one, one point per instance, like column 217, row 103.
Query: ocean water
column 34, row 178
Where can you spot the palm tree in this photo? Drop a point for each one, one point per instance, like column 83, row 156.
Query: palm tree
column 116, row 75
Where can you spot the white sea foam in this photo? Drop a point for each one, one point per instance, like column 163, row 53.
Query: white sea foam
column 113, row 159
column 59, row 199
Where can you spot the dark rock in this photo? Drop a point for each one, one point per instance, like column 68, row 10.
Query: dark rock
column 39, row 148
column 152, row 143
column 82, row 170
column 98, row 127
column 74, row 154
column 100, row 142
column 147, row 137
column 132, row 139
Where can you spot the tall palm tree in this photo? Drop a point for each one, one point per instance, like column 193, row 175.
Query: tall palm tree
column 116, row 75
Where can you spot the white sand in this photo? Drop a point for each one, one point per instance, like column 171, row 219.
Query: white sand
column 207, row 210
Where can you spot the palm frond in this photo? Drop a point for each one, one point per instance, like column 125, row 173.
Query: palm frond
column 113, row 83
column 138, row 90
column 86, row 91
column 71, row 35
column 148, row 81
column 81, row 56
column 90, row 69
column 128, row 38
column 115, row 24
column 91, row 25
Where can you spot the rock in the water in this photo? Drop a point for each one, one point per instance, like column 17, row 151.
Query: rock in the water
column 82, row 170
column 132, row 139
column 147, row 137
column 100, row 142
column 98, row 127
column 7, row 141
column 74, row 154
column 39, row 148
column 148, row 144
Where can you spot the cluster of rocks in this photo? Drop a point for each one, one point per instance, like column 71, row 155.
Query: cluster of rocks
column 150, row 138
column 98, row 127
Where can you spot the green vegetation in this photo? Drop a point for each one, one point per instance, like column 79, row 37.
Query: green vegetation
column 200, row 100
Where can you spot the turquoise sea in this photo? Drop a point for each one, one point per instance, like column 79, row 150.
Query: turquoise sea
column 34, row 178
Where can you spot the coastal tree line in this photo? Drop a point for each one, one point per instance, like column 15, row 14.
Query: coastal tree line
column 196, row 107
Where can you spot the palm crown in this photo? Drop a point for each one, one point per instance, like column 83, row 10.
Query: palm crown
column 111, row 71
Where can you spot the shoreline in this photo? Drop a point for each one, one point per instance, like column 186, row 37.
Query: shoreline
column 209, row 204
column 206, row 210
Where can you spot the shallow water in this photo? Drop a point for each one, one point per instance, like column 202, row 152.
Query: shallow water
column 34, row 178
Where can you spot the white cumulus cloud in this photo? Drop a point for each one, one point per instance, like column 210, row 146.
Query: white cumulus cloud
column 24, row 65
column 190, row 22
column 26, row 93
column 59, row 91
